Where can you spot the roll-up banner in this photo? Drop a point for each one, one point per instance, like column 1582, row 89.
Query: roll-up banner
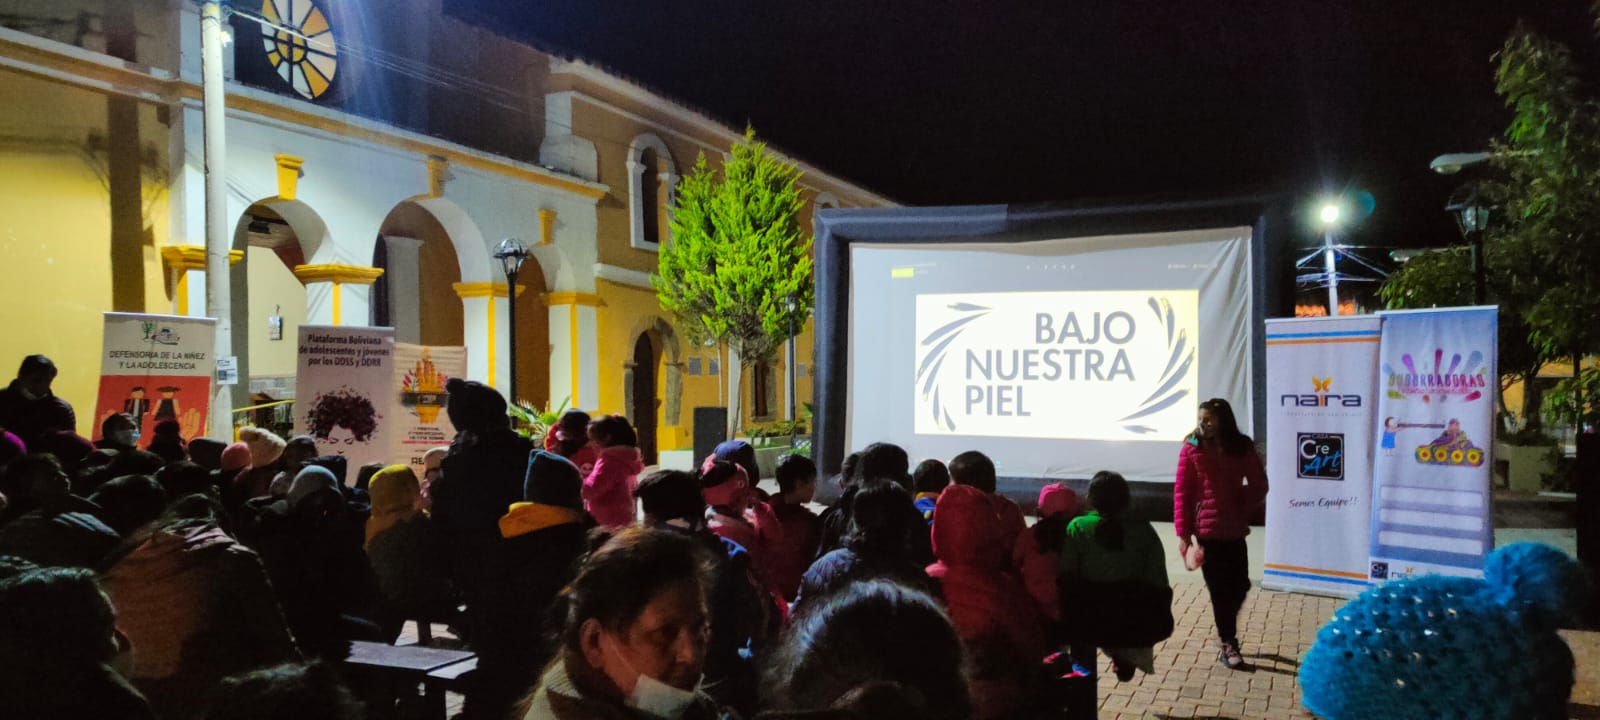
column 156, row 368
column 344, row 392
column 421, row 422
column 1321, row 378
column 1431, row 504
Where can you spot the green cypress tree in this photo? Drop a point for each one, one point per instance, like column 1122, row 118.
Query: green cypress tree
column 738, row 259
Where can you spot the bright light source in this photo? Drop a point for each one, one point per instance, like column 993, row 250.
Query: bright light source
column 1330, row 213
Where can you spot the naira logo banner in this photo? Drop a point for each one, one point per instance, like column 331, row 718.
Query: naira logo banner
column 1321, row 376
column 1092, row 365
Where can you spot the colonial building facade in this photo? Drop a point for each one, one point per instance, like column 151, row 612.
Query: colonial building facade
column 376, row 155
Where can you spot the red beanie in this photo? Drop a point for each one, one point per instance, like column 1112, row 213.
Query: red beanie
column 235, row 457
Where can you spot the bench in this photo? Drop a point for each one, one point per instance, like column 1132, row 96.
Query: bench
column 396, row 671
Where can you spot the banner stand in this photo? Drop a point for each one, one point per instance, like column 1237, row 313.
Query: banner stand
column 1321, row 400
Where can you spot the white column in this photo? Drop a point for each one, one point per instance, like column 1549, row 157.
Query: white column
column 319, row 303
column 561, row 367
column 575, row 356
column 636, row 204
column 475, row 334
column 403, row 275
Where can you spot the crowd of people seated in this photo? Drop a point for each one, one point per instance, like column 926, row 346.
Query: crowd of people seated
column 174, row 580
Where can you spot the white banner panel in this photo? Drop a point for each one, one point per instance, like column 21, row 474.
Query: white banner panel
column 156, row 368
column 344, row 392
column 1435, row 424
column 1103, row 365
column 420, row 374
column 1322, row 378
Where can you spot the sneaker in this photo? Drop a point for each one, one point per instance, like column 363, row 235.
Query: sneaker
column 1230, row 655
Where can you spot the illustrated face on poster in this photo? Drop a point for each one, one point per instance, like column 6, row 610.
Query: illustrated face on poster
column 342, row 418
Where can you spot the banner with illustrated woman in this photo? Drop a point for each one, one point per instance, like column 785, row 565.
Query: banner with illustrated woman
column 343, row 392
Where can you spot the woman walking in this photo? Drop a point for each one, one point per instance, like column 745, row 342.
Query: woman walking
column 1220, row 484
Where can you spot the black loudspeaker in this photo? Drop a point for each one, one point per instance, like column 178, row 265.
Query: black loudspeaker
column 710, row 429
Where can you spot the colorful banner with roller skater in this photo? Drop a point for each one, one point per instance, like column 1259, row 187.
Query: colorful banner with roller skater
column 1435, row 428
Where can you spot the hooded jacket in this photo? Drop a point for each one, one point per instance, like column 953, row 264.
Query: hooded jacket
column 33, row 419
column 608, row 490
column 197, row 607
column 1211, row 498
column 990, row 608
column 315, row 563
column 540, row 542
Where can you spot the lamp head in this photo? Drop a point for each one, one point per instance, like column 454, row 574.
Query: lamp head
column 1330, row 213
column 511, row 255
column 1451, row 163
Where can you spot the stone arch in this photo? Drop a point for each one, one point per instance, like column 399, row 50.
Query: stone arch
column 638, row 204
column 264, row 287
column 669, row 350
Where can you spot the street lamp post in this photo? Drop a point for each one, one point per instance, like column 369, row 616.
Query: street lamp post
column 1471, row 215
column 213, row 16
column 1330, row 218
column 788, row 362
column 511, row 255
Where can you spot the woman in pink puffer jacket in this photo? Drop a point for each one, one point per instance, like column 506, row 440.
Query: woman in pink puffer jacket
column 1220, row 484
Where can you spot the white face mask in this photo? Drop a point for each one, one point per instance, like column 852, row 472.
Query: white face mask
column 653, row 697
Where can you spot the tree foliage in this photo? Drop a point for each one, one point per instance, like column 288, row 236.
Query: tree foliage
column 738, row 259
column 1546, row 189
column 1540, row 252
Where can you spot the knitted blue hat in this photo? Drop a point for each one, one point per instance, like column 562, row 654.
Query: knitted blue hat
column 1451, row 647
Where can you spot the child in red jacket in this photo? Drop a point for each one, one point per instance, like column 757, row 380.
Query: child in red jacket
column 802, row 529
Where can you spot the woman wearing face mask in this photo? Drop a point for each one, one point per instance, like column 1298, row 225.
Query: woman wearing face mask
column 118, row 432
column 635, row 638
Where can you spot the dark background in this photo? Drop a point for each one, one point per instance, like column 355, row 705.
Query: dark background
column 947, row 102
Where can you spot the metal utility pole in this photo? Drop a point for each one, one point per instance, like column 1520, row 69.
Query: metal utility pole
column 218, row 239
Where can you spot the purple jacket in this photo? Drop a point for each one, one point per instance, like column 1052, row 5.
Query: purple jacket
column 1211, row 498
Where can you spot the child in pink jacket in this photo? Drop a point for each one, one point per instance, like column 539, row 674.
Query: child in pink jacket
column 608, row 489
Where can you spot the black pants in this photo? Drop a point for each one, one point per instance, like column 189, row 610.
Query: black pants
column 1227, row 574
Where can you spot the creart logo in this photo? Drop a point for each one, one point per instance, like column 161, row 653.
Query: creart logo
column 1321, row 395
column 1321, row 456
column 1440, row 381
column 1113, row 360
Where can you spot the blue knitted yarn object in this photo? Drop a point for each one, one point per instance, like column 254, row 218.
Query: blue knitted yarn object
column 1449, row 647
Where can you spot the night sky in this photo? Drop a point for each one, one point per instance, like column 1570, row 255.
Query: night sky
column 946, row 102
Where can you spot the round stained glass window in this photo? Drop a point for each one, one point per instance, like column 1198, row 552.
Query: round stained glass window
column 299, row 45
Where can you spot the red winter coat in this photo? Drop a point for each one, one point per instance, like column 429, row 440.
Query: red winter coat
column 1211, row 498
column 802, row 534
column 608, row 490
column 584, row 457
column 990, row 607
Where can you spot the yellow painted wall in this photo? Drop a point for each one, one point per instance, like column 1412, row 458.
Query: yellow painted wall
column 272, row 284
column 611, row 134
column 55, row 229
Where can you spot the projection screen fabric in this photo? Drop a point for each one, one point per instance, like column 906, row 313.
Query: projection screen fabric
column 1056, row 357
